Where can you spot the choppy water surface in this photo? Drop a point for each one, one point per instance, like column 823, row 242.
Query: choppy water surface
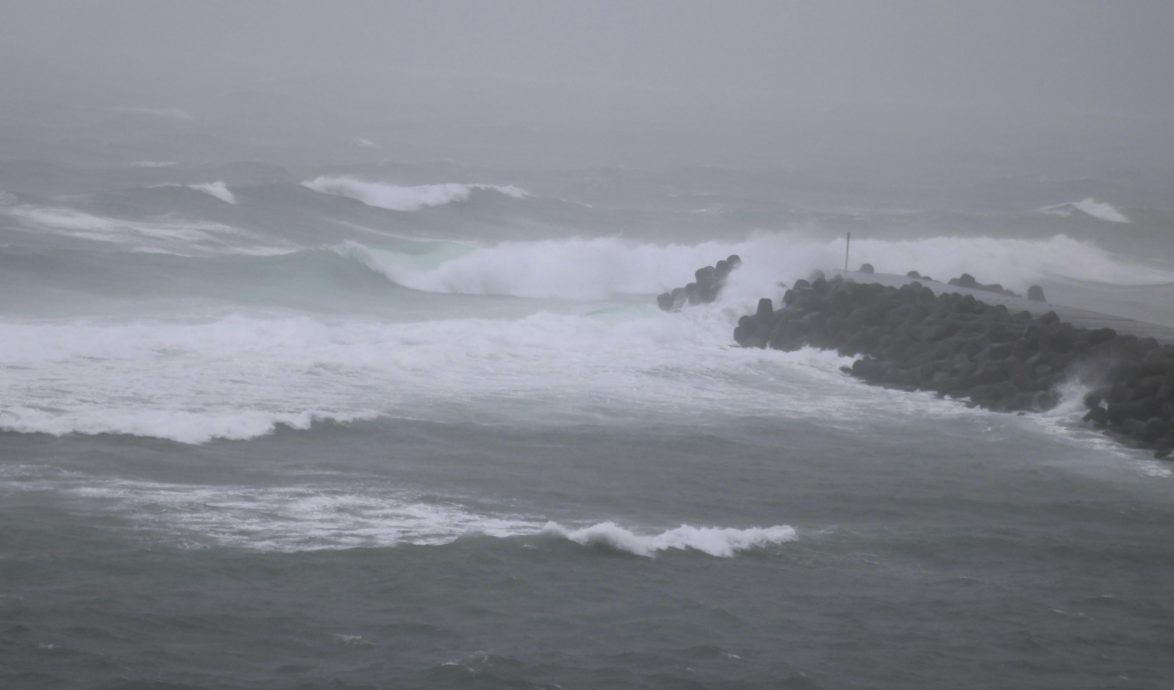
column 331, row 431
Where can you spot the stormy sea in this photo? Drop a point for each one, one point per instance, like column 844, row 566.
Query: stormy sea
column 400, row 426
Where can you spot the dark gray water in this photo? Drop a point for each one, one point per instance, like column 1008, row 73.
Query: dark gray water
column 260, row 435
column 965, row 551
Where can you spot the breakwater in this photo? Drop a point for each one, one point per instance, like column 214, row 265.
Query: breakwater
column 707, row 285
column 993, row 356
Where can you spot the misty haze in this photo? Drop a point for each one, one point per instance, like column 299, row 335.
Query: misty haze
column 527, row 344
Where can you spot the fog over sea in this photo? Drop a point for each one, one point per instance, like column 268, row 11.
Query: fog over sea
column 314, row 381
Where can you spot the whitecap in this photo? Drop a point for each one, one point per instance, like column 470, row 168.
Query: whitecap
column 600, row 267
column 217, row 189
column 721, row 542
column 1088, row 206
column 404, row 198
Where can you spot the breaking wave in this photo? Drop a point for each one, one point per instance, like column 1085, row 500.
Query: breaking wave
column 588, row 269
column 310, row 518
column 574, row 270
column 721, row 542
column 217, row 189
column 441, row 358
column 182, row 426
column 1089, row 207
column 398, row 198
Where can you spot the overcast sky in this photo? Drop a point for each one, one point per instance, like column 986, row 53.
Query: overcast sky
column 1113, row 57
column 882, row 69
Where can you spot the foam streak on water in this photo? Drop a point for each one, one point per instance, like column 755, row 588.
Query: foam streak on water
column 308, row 518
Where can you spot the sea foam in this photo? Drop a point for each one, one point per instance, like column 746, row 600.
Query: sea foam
column 271, row 518
column 255, row 374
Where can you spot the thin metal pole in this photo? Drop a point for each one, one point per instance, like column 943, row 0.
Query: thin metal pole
column 847, row 246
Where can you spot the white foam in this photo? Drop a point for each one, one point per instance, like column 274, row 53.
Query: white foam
column 154, row 164
column 623, row 365
column 1063, row 420
column 364, row 143
column 192, row 426
column 597, row 268
column 722, row 542
column 216, row 189
column 1090, row 207
column 584, row 269
column 306, row 518
column 1064, row 423
column 256, row 373
column 399, row 198
column 273, row 518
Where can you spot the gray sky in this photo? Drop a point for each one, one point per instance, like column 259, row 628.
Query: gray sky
column 891, row 63
column 1105, row 56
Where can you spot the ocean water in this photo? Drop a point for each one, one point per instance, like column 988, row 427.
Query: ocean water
column 363, row 428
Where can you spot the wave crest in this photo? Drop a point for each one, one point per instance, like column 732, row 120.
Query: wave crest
column 590, row 269
column 216, row 189
column 721, row 542
column 397, row 198
column 181, row 426
column 1089, row 207
column 299, row 517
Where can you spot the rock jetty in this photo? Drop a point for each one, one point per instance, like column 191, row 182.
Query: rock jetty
column 970, row 282
column 705, row 289
column 958, row 346
column 1035, row 293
